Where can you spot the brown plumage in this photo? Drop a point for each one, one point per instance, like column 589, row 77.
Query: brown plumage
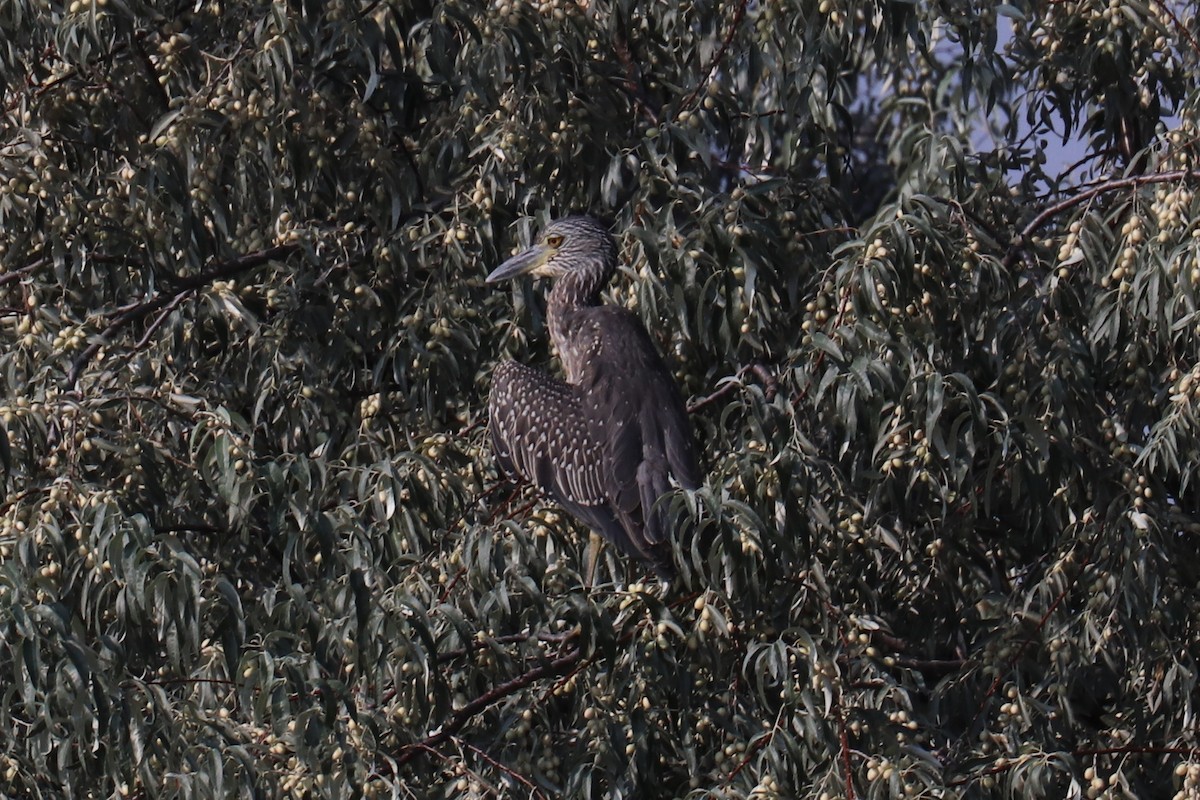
column 606, row 443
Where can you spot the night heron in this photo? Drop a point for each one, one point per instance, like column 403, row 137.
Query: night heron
column 606, row 443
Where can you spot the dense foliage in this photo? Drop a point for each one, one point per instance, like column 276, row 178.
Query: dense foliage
column 253, row 541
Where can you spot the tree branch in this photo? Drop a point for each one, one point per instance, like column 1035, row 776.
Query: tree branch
column 1086, row 194
column 20, row 272
column 169, row 299
column 760, row 371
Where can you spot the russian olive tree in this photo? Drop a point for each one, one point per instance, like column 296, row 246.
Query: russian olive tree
column 253, row 541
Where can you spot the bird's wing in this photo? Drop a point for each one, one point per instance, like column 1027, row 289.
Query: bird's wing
column 631, row 402
column 541, row 436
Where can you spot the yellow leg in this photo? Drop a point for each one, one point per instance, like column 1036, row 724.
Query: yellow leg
column 593, row 559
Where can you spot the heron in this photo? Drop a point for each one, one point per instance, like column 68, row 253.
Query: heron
column 611, row 440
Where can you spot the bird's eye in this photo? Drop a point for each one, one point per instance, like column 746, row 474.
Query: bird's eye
column 554, row 240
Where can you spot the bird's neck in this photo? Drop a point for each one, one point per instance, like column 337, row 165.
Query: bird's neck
column 570, row 295
column 577, row 290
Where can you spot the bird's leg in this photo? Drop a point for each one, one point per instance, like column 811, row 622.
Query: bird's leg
column 593, row 559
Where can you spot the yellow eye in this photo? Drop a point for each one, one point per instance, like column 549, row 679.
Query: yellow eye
column 554, row 240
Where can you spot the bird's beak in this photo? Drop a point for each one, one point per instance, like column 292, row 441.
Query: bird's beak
column 521, row 264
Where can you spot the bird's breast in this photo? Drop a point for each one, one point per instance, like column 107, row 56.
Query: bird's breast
column 578, row 340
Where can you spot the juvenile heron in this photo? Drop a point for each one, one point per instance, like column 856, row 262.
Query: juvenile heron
column 605, row 443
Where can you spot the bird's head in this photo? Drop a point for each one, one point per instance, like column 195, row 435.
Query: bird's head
column 567, row 245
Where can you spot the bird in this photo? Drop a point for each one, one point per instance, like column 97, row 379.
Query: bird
column 609, row 441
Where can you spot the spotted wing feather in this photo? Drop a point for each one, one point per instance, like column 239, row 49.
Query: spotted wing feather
column 541, row 436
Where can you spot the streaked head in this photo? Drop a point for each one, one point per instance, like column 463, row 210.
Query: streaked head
column 565, row 245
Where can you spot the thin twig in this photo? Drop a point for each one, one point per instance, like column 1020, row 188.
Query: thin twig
column 192, row 527
column 458, row 766
column 844, row 746
column 185, row 681
column 1135, row 750
column 563, row 681
column 840, row 711
column 930, row 666
column 767, row 378
column 170, row 298
column 1002, row 675
column 158, row 321
column 1009, row 763
column 489, row 698
column 491, row 518
column 935, row 666
column 157, row 88
column 510, row 638
column 738, row 15
column 1179, row 26
column 755, row 746
column 633, row 82
column 533, row 789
